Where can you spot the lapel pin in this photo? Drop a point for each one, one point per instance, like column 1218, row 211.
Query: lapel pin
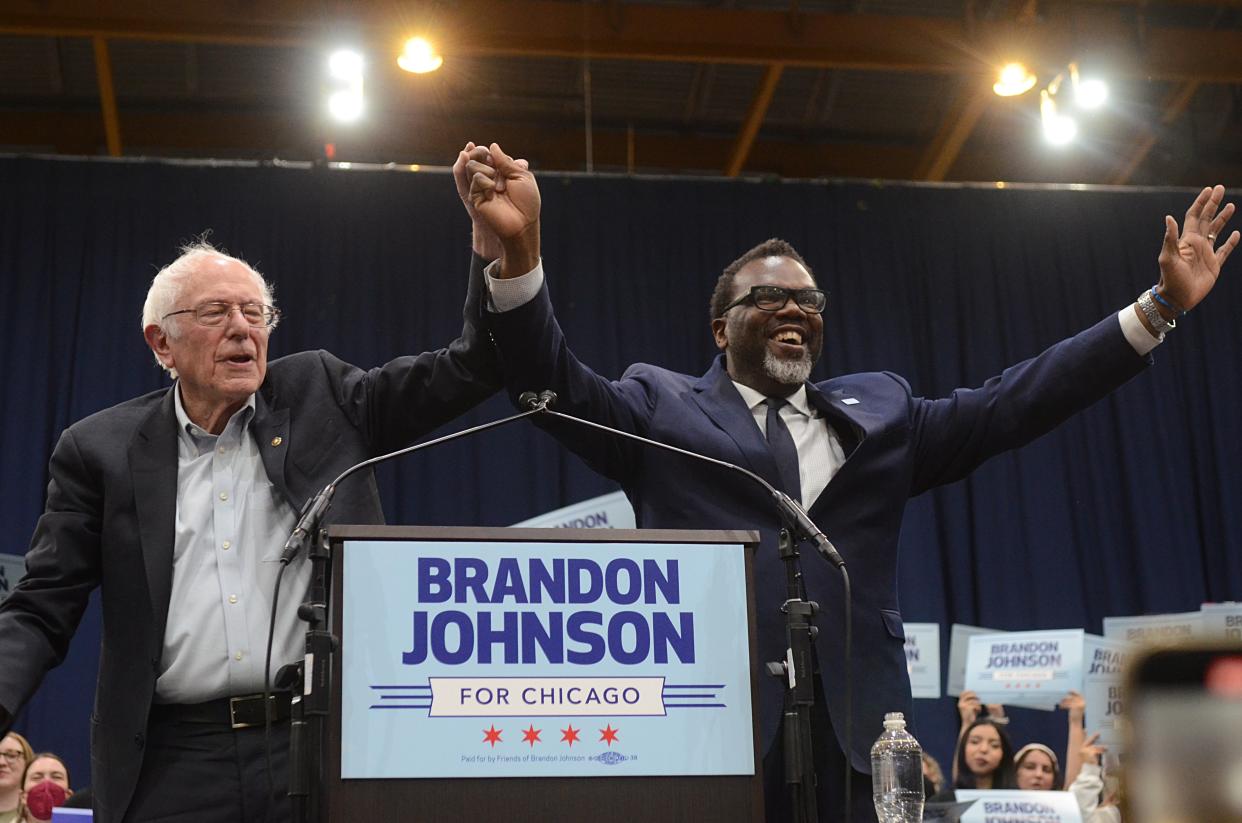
column 276, row 441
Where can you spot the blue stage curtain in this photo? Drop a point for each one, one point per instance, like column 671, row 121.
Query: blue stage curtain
column 1130, row 508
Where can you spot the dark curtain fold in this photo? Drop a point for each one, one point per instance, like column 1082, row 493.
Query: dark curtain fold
column 1132, row 507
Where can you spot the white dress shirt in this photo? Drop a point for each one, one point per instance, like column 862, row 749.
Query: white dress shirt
column 231, row 525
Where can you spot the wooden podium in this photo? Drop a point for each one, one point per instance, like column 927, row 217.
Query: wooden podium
column 729, row 798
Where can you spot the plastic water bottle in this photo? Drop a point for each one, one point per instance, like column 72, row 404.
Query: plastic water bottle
column 897, row 773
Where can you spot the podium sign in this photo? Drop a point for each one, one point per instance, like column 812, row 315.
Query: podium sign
column 487, row 659
column 486, row 664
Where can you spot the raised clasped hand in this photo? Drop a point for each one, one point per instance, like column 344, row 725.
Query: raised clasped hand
column 503, row 193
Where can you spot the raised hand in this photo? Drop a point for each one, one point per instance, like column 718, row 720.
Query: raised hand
column 968, row 707
column 506, row 197
column 504, row 193
column 1190, row 262
column 485, row 242
column 1075, row 704
column 1091, row 751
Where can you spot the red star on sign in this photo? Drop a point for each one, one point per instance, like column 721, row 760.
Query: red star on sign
column 531, row 736
column 570, row 735
column 492, row 735
column 608, row 735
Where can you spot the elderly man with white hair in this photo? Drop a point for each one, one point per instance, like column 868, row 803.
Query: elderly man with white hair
column 176, row 505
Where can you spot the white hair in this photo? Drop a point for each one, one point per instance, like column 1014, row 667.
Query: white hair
column 169, row 283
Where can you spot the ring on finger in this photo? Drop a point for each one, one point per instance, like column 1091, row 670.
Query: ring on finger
column 1211, row 236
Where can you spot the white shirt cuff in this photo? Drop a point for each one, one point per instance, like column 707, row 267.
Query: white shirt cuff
column 509, row 293
column 1136, row 333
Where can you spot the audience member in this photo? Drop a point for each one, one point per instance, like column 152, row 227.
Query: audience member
column 45, row 786
column 1036, row 768
column 983, row 760
column 15, row 753
column 1097, row 794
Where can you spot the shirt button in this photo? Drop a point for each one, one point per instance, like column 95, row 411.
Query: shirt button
column 232, row 598
column 140, row 740
column 226, row 545
column 224, row 495
column 237, row 656
column 222, row 450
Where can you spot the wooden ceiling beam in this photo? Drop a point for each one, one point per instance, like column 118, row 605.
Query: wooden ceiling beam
column 107, row 96
column 543, row 28
column 954, row 131
column 754, row 119
column 1174, row 107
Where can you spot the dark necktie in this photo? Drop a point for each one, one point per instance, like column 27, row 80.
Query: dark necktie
column 782, row 445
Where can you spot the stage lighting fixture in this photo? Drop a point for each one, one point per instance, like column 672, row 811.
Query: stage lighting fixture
column 345, row 102
column 1014, row 79
column 419, row 57
column 345, row 106
column 345, row 64
column 1059, row 130
column 1089, row 93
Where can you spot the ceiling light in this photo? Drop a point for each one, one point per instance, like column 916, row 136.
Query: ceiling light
column 1013, row 80
column 419, row 57
column 345, row 106
column 345, row 64
column 1059, row 130
column 1091, row 94
column 345, row 95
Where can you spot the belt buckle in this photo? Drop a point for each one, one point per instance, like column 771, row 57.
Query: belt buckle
column 234, row 702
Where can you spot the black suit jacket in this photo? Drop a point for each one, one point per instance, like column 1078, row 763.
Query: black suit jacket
column 111, row 504
column 897, row 445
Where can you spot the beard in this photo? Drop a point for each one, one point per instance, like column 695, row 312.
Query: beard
column 750, row 349
column 788, row 372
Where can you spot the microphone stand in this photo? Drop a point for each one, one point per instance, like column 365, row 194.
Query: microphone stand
column 310, row 680
column 797, row 668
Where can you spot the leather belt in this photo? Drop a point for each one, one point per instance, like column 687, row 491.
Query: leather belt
column 242, row 712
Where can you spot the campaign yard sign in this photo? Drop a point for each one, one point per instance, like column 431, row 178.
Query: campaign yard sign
column 923, row 658
column 959, row 642
column 1013, row 806
column 1103, row 662
column 1221, row 621
column 1032, row 669
column 527, row 659
column 608, row 511
column 1154, row 628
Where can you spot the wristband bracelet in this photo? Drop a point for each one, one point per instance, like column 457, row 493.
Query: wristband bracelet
column 1168, row 304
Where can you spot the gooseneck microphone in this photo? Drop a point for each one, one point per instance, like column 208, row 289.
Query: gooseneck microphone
column 796, row 669
column 796, row 517
column 313, row 704
column 313, row 511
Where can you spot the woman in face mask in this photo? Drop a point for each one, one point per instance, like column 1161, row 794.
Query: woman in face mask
column 45, row 786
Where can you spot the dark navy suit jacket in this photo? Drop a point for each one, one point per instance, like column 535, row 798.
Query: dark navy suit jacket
column 897, row 446
column 112, row 500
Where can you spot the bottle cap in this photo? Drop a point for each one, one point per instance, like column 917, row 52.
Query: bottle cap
column 894, row 720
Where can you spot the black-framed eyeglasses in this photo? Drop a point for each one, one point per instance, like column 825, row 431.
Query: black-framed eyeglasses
column 774, row 298
column 217, row 311
column 13, row 756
